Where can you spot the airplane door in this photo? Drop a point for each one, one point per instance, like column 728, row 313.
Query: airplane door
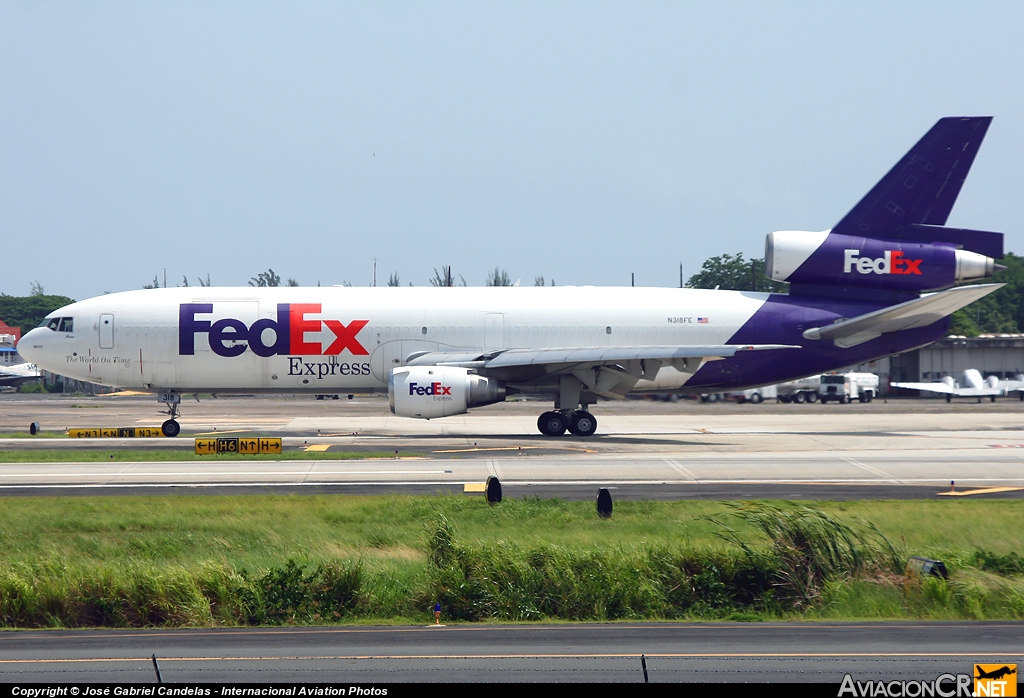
column 106, row 331
column 494, row 331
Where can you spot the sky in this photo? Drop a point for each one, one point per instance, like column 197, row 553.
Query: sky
column 581, row 141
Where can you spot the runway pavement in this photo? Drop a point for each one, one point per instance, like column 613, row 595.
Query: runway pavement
column 912, row 449
column 704, row 652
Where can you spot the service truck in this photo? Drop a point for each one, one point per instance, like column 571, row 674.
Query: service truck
column 844, row 387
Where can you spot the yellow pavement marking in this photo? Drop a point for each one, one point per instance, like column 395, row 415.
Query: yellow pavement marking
column 227, row 431
column 317, row 447
column 475, row 487
column 983, row 490
column 496, row 448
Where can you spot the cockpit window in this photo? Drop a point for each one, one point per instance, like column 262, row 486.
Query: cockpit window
column 59, row 324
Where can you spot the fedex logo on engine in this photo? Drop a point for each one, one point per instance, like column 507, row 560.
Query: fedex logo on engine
column 892, row 262
column 231, row 337
column 432, row 389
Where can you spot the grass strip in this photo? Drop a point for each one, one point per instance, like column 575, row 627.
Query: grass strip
column 95, row 454
column 273, row 559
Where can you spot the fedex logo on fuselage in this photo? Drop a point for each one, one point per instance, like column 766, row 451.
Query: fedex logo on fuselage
column 892, row 262
column 289, row 332
column 432, row 389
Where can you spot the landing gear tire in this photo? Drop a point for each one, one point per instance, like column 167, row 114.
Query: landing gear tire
column 582, row 423
column 949, row 398
column 170, row 428
column 552, row 424
column 755, row 399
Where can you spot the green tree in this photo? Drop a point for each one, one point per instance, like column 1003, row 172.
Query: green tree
column 498, row 277
column 291, row 282
column 998, row 312
column 27, row 312
column 734, row 273
column 265, row 278
column 393, row 280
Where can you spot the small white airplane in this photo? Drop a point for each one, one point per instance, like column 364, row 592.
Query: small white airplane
column 16, row 374
column 972, row 385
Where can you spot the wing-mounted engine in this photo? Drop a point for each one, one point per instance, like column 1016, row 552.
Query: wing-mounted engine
column 853, row 261
column 429, row 392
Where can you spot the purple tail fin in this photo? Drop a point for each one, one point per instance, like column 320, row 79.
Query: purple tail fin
column 923, row 186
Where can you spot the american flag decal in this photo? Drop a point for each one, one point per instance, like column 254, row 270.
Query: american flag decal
column 702, row 321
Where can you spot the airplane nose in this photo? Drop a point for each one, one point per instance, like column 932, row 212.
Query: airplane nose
column 25, row 347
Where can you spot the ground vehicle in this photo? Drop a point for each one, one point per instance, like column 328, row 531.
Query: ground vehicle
column 799, row 391
column 844, row 387
column 755, row 395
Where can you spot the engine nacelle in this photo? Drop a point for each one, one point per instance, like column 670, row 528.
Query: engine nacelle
column 846, row 260
column 429, row 392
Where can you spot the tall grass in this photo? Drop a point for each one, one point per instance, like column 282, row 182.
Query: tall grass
column 777, row 561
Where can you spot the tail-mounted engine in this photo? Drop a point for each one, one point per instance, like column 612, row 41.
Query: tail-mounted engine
column 428, row 392
column 847, row 260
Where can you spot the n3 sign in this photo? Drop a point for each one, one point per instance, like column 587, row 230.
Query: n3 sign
column 289, row 330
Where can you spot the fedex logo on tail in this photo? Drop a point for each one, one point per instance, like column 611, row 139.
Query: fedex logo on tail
column 432, row 389
column 891, row 262
column 225, row 336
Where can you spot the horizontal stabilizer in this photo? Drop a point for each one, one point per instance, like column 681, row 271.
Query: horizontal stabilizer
column 923, row 186
column 919, row 312
column 980, row 241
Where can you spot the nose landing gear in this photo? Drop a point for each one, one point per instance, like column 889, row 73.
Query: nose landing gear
column 172, row 399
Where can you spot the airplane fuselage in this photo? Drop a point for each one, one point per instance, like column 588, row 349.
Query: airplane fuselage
column 337, row 340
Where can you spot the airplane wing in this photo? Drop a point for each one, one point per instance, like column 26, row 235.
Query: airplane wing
column 919, row 312
column 607, row 371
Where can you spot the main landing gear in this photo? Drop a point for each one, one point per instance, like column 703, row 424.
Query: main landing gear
column 578, row 423
column 172, row 399
column 570, row 411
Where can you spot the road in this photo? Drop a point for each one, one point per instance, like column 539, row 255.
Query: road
column 739, row 652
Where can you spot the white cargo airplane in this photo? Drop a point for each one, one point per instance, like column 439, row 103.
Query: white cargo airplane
column 880, row 282
column 972, row 385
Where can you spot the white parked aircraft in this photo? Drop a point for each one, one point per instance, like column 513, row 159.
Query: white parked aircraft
column 972, row 385
column 17, row 374
column 880, row 282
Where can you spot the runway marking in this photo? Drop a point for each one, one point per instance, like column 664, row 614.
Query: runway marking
column 874, row 471
column 605, row 655
column 983, row 490
column 317, row 447
column 495, row 448
column 681, row 470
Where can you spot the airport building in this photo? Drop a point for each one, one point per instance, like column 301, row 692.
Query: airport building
column 9, row 337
